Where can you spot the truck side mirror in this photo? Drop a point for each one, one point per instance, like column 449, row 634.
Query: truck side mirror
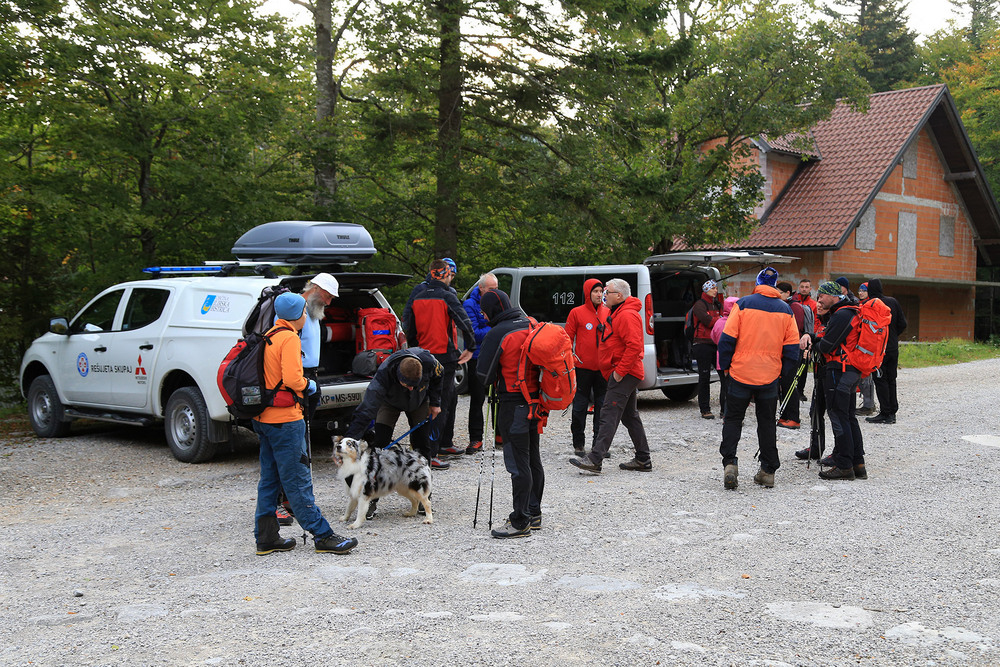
column 59, row 325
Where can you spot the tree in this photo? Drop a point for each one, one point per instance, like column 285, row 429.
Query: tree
column 982, row 19
column 879, row 27
column 976, row 88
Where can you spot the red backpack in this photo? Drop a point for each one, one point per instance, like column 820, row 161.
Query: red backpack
column 548, row 346
column 377, row 332
column 864, row 347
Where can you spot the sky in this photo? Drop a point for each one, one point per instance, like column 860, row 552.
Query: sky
column 926, row 16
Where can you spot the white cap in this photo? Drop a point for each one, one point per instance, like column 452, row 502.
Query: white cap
column 327, row 283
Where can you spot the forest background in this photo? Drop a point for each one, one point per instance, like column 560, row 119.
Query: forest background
column 137, row 133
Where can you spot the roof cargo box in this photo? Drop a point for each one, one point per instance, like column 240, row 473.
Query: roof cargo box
column 303, row 242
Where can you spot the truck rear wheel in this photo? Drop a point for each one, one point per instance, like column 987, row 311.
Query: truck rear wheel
column 186, row 424
column 684, row 392
column 45, row 411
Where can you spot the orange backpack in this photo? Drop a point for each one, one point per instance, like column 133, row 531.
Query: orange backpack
column 864, row 347
column 548, row 346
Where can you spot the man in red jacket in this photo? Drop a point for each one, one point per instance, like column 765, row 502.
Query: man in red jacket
column 582, row 327
column 621, row 353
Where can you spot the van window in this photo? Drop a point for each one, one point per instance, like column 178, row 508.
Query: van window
column 99, row 316
column 549, row 297
column 144, row 307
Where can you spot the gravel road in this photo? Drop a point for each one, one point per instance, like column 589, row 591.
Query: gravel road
column 114, row 553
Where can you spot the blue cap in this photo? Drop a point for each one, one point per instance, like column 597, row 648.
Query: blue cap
column 768, row 276
column 451, row 264
column 289, row 306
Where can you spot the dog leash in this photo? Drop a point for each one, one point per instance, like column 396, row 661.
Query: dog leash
column 427, row 419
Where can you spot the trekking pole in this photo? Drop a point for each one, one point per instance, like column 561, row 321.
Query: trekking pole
column 493, row 467
column 308, row 456
column 791, row 389
column 482, row 463
column 426, row 419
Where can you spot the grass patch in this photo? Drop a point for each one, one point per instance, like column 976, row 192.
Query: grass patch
column 945, row 352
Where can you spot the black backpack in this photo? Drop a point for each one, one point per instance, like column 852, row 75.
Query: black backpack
column 689, row 325
column 241, row 377
column 261, row 316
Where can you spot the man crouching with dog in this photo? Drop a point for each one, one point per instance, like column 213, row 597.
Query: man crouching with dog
column 409, row 381
column 284, row 461
column 499, row 357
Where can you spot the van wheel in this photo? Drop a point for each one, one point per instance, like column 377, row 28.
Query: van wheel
column 462, row 379
column 45, row 411
column 186, row 425
column 685, row 392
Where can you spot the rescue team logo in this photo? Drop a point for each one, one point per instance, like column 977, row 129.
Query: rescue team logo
column 590, row 326
column 82, row 365
column 215, row 304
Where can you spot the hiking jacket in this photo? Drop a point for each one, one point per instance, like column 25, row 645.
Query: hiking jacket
column 501, row 354
column 898, row 323
column 759, row 336
column 582, row 327
column 283, row 362
column 839, row 323
column 799, row 313
column 385, row 389
column 807, row 301
column 480, row 327
column 432, row 318
column 706, row 313
column 622, row 346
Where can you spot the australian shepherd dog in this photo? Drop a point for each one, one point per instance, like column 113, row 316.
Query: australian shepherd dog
column 379, row 472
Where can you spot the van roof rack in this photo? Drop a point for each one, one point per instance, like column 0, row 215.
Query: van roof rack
column 216, row 268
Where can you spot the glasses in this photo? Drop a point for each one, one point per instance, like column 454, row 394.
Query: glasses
column 611, row 291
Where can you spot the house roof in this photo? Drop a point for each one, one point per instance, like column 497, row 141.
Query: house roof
column 824, row 201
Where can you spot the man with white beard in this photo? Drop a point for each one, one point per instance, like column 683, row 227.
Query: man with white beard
column 318, row 293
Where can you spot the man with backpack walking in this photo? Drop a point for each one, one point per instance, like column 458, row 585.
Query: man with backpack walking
column 583, row 326
column 840, row 381
column 760, row 340
column 517, row 421
column 705, row 312
column 284, row 462
column 431, row 321
column 885, row 381
column 621, row 355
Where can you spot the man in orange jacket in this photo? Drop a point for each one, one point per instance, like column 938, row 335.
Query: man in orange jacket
column 621, row 354
column 582, row 328
column 760, row 337
column 284, row 461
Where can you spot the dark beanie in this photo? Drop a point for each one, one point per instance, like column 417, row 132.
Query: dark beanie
column 843, row 282
column 494, row 302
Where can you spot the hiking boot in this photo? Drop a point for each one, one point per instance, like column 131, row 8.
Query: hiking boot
column 765, row 479
column 864, row 412
column 729, row 476
column 438, row 464
column 508, row 531
column 584, row 463
column 579, row 453
column 707, row 415
column 807, row 453
column 451, row 451
column 335, row 544
column 837, row 473
column 860, row 472
column 827, row 461
column 788, row 423
column 474, row 447
column 535, row 523
column 881, row 418
column 280, row 545
column 372, row 510
column 498, row 442
column 636, row 464
column 284, row 518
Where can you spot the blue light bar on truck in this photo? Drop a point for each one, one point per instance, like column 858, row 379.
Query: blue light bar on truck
column 180, row 270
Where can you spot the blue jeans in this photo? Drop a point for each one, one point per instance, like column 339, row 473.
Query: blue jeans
column 765, row 398
column 284, row 464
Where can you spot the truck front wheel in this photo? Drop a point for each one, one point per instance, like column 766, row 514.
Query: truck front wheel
column 684, row 392
column 45, row 411
column 186, row 424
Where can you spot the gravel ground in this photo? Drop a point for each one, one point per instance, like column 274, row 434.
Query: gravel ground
column 112, row 552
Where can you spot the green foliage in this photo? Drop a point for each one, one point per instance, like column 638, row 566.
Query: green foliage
column 945, row 352
column 879, row 28
column 976, row 88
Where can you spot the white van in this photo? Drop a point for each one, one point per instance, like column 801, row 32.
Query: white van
column 667, row 285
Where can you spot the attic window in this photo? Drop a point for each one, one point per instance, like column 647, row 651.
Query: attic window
column 910, row 162
column 946, row 236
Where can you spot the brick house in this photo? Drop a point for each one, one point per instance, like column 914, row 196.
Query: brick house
column 896, row 193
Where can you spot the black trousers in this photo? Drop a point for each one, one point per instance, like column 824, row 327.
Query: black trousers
column 765, row 398
column 444, row 424
column 840, row 385
column 587, row 382
column 523, row 461
column 787, row 379
column 704, row 354
column 885, row 384
column 477, row 397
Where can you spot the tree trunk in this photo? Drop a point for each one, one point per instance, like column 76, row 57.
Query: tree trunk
column 324, row 160
column 449, row 139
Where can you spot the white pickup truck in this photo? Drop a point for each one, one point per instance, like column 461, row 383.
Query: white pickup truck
column 148, row 351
